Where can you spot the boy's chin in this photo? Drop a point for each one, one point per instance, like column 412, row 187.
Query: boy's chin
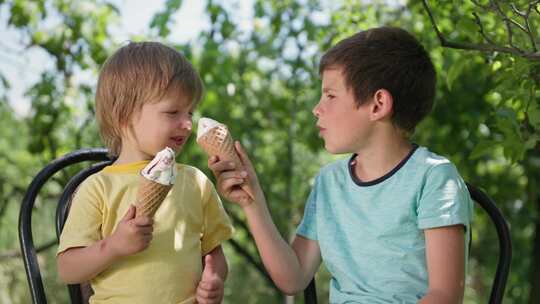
column 332, row 150
column 336, row 150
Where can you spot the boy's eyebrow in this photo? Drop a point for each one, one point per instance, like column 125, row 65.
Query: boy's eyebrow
column 326, row 89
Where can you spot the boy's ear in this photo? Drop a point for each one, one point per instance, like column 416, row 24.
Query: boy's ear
column 382, row 105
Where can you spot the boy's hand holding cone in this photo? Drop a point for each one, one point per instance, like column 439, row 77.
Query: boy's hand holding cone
column 157, row 178
column 216, row 140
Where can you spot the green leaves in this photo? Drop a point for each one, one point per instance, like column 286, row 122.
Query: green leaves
column 20, row 13
column 162, row 20
column 453, row 73
column 505, row 133
column 483, row 148
column 533, row 112
column 507, row 125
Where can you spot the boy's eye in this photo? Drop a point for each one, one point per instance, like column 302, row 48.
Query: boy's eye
column 172, row 112
column 330, row 96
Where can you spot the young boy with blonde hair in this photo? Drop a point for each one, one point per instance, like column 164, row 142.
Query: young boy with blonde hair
column 145, row 98
column 391, row 221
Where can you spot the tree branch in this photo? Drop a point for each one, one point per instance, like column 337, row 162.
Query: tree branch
column 251, row 260
column 494, row 6
column 528, row 24
column 246, row 254
column 483, row 47
column 16, row 253
column 239, row 222
column 508, row 24
column 481, row 29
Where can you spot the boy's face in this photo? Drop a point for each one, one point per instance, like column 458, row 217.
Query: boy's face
column 344, row 126
column 165, row 123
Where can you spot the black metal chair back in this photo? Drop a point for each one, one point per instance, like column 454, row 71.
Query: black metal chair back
column 28, row 249
column 505, row 243
column 505, row 249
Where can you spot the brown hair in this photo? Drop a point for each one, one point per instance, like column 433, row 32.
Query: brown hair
column 387, row 58
column 135, row 74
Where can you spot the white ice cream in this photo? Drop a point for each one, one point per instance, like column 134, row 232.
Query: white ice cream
column 206, row 124
column 162, row 169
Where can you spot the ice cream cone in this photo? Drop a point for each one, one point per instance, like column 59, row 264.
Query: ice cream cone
column 157, row 178
column 149, row 197
column 218, row 141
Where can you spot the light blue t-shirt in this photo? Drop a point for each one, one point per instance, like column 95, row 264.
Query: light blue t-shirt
column 371, row 234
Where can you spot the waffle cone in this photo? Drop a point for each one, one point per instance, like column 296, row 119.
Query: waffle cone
column 149, row 197
column 218, row 141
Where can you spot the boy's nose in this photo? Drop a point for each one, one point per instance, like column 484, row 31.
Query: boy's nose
column 316, row 110
column 187, row 125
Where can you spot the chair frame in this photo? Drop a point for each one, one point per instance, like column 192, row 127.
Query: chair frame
column 505, row 243
column 100, row 155
column 26, row 240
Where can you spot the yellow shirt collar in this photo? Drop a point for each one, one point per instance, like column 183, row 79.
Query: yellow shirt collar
column 134, row 167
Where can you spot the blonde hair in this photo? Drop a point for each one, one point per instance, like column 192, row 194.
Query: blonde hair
column 139, row 73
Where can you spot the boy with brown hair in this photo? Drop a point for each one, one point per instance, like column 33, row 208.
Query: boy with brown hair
column 145, row 99
column 390, row 222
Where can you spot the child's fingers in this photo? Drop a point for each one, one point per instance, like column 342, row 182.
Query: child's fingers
column 130, row 214
column 220, row 166
column 143, row 221
column 145, row 229
column 229, row 179
column 229, row 183
column 146, row 239
column 233, row 174
column 212, row 160
column 210, row 286
column 207, row 299
column 201, row 300
column 242, row 153
column 204, row 293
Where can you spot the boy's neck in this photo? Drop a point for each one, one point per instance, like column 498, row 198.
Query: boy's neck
column 126, row 158
column 380, row 157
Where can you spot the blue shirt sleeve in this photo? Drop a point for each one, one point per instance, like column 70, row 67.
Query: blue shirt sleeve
column 445, row 200
column 308, row 226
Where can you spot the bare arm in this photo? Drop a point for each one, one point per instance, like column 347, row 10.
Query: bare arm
column 219, row 262
column 210, row 289
column 290, row 266
column 445, row 254
column 81, row 264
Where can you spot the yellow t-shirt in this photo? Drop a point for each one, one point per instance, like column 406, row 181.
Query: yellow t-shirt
column 189, row 223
